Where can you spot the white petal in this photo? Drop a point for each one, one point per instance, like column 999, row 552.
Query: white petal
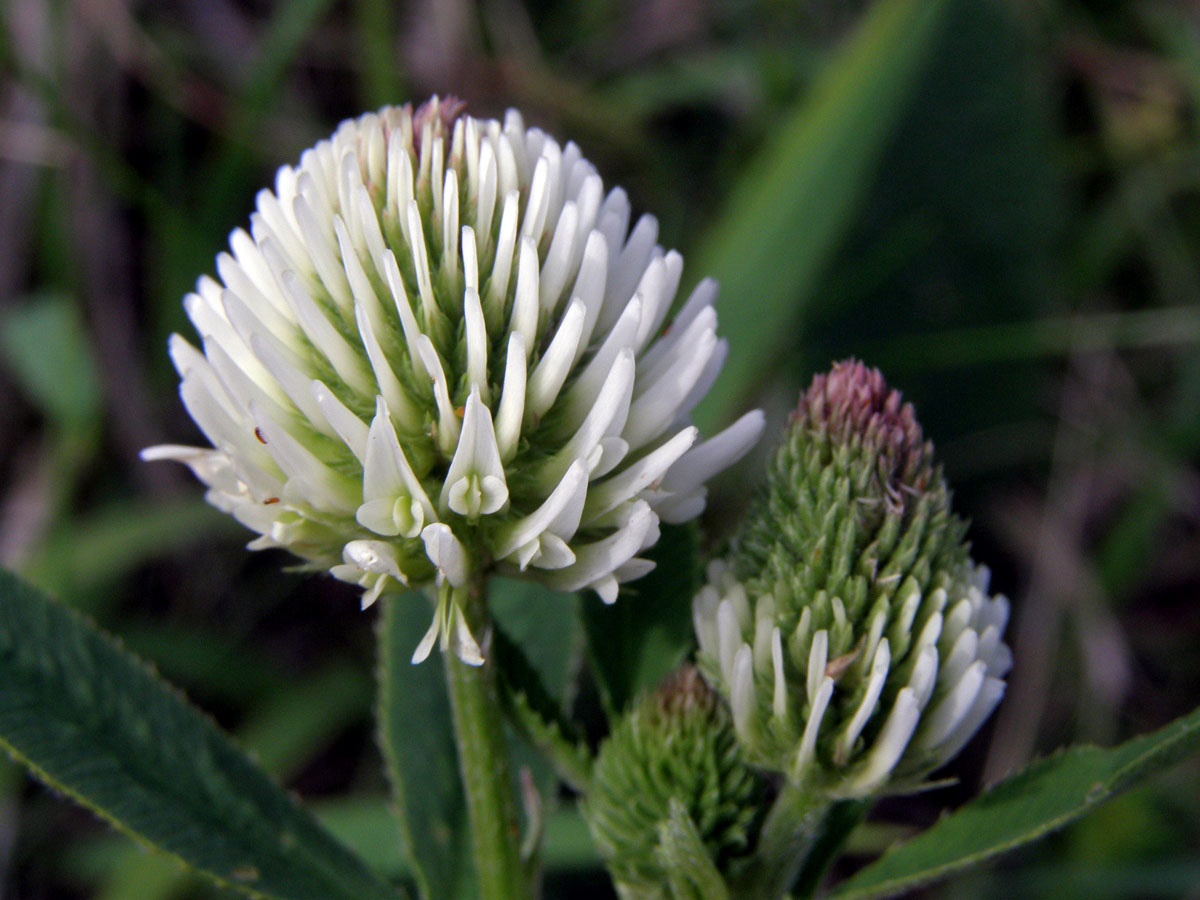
column 555, row 364
column 611, row 405
column 345, row 360
column 389, row 385
column 465, row 646
column 470, row 256
column 477, row 457
column 889, row 744
column 729, row 637
column 485, row 206
column 477, row 342
column 626, row 268
column 531, row 526
column 581, row 396
column 449, row 218
column 512, row 398
column 447, row 425
column 942, row 718
column 320, row 251
column 779, row 698
column 506, row 243
column 818, row 658
column 653, row 412
column 606, row 495
column 704, row 619
column 322, row 487
column 741, row 692
column 349, row 427
column 420, row 259
column 589, row 286
column 812, row 727
column 425, row 647
column 844, row 745
column 374, row 556
column 596, row 560
column 989, row 696
column 524, row 320
column 560, row 257
column 408, row 321
column 446, row 553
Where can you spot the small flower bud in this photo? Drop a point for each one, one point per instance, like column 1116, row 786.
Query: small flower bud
column 676, row 746
column 438, row 351
column 850, row 631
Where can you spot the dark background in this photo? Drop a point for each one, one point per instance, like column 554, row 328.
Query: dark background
column 1021, row 257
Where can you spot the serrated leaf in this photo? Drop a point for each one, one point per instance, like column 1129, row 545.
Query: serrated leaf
column 641, row 638
column 417, row 740
column 1048, row 795
column 95, row 723
column 797, row 197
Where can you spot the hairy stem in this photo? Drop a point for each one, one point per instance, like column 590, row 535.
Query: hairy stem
column 483, row 759
column 789, row 834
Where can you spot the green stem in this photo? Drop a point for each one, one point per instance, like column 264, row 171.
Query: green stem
column 483, row 758
column 832, row 831
column 799, row 838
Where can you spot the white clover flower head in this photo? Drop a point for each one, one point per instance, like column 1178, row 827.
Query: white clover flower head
column 850, row 632
column 441, row 350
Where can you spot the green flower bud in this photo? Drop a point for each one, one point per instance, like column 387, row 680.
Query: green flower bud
column 850, row 630
column 676, row 748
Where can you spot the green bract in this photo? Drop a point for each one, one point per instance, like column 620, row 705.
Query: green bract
column 850, row 631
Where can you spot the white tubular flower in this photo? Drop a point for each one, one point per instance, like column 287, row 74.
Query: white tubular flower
column 851, row 634
column 440, row 350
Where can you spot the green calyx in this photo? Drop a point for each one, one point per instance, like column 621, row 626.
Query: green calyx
column 673, row 765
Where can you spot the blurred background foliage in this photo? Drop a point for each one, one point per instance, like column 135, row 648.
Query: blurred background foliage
column 997, row 202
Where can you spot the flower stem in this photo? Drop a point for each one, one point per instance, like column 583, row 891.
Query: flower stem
column 483, row 759
column 799, row 838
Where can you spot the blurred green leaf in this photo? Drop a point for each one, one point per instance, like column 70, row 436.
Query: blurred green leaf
column 93, row 551
column 537, row 635
column 1063, row 336
column 1045, row 797
column 45, row 343
column 416, row 736
column 644, row 636
column 286, row 732
column 380, row 68
column 97, row 724
column 797, row 198
column 544, row 623
column 365, row 823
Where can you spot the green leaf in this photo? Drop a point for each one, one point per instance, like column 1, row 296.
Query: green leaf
column 96, row 723
column 797, row 198
column 536, row 639
column 417, row 740
column 90, row 552
column 45, row 343
column 1048, row 795
column 641, row 638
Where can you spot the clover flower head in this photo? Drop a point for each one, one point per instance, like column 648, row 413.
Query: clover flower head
column 851, row 633
column 440, row 350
